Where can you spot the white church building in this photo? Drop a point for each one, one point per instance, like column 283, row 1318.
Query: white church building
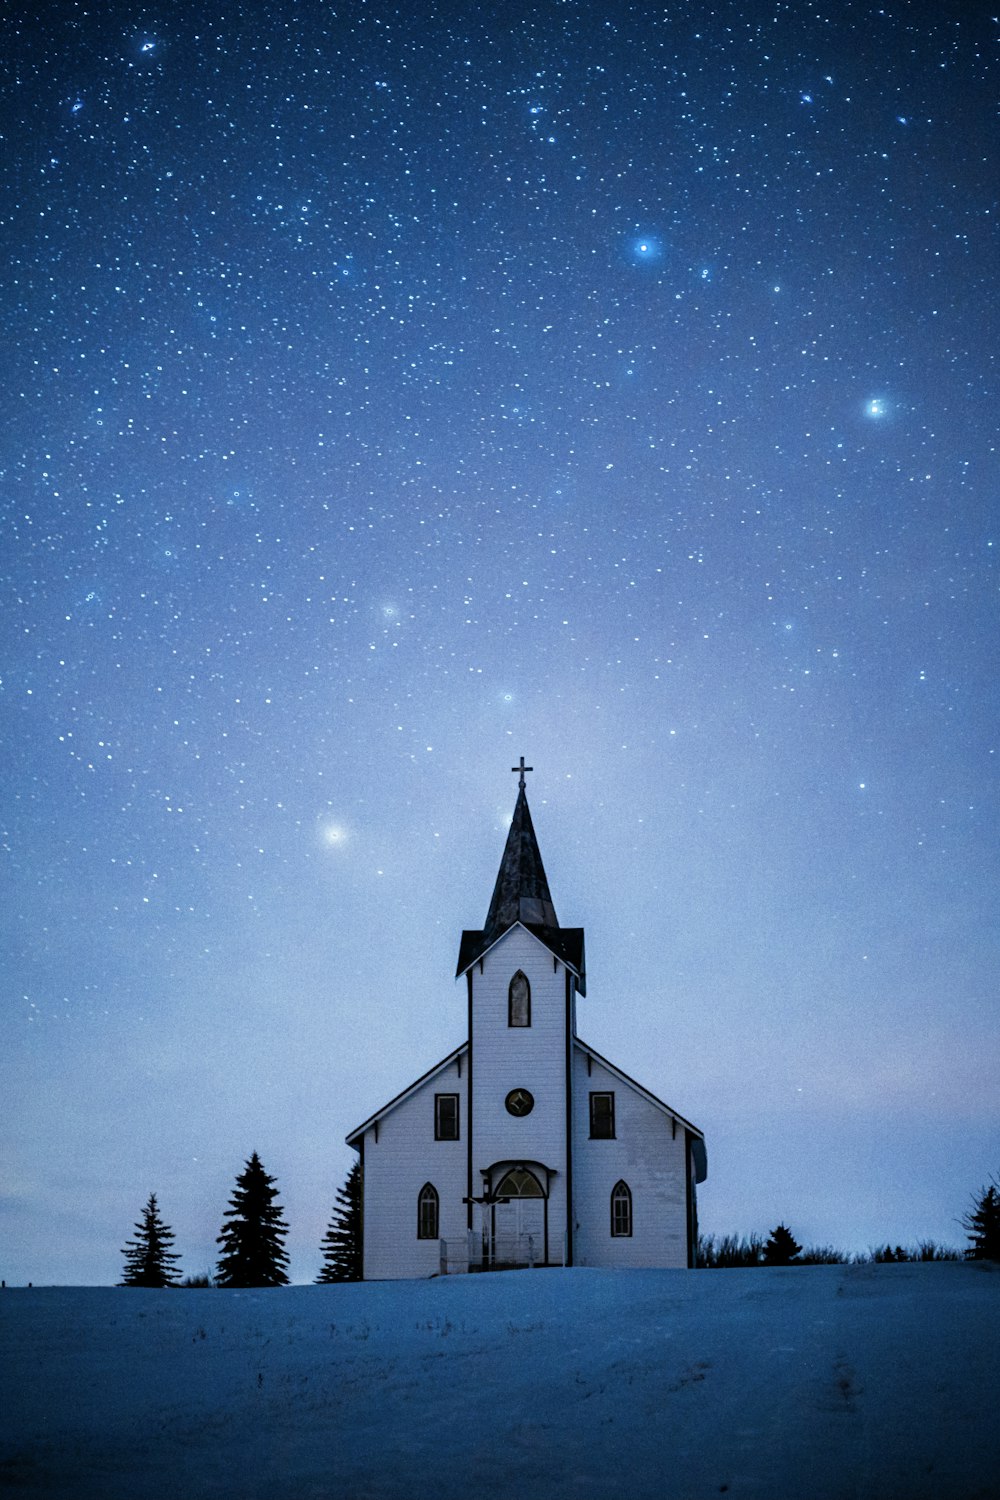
column 524, row 1146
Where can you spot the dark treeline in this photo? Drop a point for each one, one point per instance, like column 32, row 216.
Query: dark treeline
column 981, row 1223
column 253, row 1241
column 732, row 1250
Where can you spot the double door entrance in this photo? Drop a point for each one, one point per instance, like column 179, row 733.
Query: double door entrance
column 514, row 1227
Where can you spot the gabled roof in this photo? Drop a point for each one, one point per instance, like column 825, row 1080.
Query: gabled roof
column 424, row 1078
column 697, row 1136
column 522, row 896
column 565, row 943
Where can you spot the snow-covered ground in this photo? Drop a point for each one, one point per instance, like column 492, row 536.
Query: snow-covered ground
column 828, row 1381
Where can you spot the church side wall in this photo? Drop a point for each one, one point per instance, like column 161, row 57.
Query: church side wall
column 531, row 1057
column 397, row 1165
column 648, row 1156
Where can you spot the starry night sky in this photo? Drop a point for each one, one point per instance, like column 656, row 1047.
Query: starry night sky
column 390, row 392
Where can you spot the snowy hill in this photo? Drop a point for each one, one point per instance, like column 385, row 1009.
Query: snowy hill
column 824, row 1382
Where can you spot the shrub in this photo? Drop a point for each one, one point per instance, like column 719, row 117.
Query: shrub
column 730, row 1251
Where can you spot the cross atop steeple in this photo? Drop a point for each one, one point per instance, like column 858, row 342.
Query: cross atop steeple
column 522, row 768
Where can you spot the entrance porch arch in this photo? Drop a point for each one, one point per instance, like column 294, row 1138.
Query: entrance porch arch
column 515, row 1213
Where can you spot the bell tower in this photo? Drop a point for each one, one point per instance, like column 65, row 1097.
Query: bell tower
column 523, row 973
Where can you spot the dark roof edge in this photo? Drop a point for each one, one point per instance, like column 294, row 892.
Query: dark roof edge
column 398, row 1098
column 557, row 940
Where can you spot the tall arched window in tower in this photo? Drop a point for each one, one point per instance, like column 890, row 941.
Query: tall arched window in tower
column 427, row 1213
column 621, row 1211
column 519, row 1000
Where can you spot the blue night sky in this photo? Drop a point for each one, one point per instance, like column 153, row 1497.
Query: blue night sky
column 392, row 391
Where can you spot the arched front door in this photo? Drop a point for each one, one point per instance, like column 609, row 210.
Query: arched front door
column 519, row 1224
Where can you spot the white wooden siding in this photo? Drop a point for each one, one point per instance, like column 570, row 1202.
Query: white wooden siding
column 397, row 1165
column 649, row 1152
column 531, row 1057
column 648, row 1156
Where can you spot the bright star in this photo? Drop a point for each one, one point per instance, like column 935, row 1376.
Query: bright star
column 646, row 248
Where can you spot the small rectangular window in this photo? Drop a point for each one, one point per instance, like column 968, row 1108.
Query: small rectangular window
column 602, row 1117
column 446, row 1117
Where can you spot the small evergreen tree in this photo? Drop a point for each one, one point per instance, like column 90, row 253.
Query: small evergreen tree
column 781, row 1249
column 148, row 1258
column 982, row 1224
column 341, row 1245
column 254, row 1242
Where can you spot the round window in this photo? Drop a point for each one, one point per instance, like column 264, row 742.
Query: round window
column 519, row 1102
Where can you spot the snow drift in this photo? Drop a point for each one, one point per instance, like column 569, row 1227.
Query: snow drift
column 832, row 1381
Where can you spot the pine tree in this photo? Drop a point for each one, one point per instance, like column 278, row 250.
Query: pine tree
column 148, row 1258
column 982, row 1224
column 342, row 1260
column 253, row 1243
column 781, row 1249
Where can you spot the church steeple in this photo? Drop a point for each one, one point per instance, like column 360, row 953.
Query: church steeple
column 521, row 893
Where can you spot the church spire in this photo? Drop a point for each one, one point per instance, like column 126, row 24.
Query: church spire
column 521, row 893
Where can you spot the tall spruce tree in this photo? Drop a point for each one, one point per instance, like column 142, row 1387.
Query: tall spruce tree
column 148, row 1258
column 982, row 1225
column 254, row 1241
column 342, row 1259
column 781, row 1249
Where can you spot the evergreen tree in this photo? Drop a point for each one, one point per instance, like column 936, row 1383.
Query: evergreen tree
column 148, row 1258
column 982, row 1225
column 254, row 1242
column 342, row 1242
column 781, row 1249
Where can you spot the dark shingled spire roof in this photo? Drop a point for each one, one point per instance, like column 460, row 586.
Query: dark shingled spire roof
column 521, row 894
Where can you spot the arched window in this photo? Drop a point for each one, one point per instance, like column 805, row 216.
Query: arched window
column 427, row 1213
column 621, row 1211
column 519, row 1000
column 520, row 1183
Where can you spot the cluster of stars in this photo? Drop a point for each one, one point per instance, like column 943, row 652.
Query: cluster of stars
column 612, row 389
